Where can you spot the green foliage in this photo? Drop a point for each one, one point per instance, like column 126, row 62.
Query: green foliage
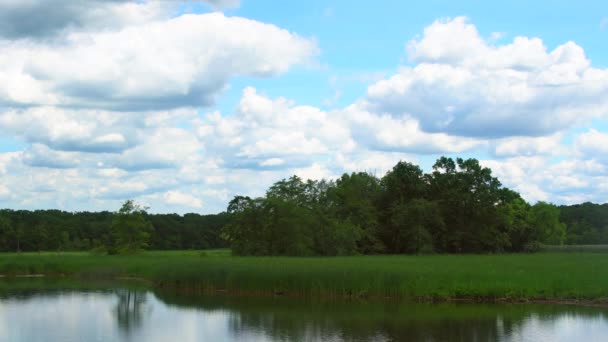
column 5, row 229
column 545, row 219
column 130, row 229
column 586, row 223
column 511, row 276
column 413, row 225
column 54, row 230
column 468, row 197
column 458, row 208
column 353, row 202
column 293, row 219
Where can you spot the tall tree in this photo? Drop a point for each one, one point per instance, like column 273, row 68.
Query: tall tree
column 545, row 219
column 353, row 200
column 130, row 229
column 467, row 194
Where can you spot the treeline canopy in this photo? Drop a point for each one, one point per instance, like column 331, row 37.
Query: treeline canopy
column 50, row 230
column 457, row 208
column 587, row 223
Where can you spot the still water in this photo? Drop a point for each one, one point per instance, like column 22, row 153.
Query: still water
column 36, row 311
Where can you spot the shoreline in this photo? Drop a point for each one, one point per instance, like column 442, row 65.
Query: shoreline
column 544, row 278
column 600, row 302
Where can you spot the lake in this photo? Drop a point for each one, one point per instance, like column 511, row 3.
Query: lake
column 47, row 310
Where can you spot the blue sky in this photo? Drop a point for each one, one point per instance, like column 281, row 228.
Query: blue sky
column 183, row 104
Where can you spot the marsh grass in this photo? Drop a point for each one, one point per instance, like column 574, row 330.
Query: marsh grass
column 575, row 248
column 578, row 276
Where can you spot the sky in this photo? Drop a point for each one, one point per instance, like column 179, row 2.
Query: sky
column 182, row 105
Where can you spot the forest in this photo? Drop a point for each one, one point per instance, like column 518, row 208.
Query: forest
column 55, row 230
column 458, row 207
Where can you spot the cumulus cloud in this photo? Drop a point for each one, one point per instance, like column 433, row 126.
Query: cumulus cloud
column 43, row 19
column 592, row 144
column 180, row 198
column 539, row 178
column 529, row 146
column 268, row 133
column 168, row 147
column 384, row 132
column 469, row 87
column 70, row 130
column 184, row 61
column 39, row 155
column 119, row 110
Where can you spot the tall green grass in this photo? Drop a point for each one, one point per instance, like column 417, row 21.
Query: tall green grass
column 483, row 277
column 575, row 248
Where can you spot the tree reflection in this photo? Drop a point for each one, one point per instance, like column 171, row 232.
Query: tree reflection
column 130, row 310
column 295, row 320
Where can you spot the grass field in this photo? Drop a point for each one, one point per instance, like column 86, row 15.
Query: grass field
column 575, row 248
column 551, row 276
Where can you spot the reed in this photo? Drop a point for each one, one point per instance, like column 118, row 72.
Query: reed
column 551, row 276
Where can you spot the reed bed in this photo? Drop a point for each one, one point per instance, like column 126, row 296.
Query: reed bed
column 550, row 276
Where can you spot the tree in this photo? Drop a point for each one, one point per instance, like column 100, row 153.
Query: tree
column 415, row 226
column 467, row 195
column 545, row 219
column 130, row 228
column 515, row 227
column 401, row 185
column 5, row 231
column 353, row 200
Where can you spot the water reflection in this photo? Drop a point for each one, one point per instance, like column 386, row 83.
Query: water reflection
column 130, row 309
column 40, row 312
column 288, row 320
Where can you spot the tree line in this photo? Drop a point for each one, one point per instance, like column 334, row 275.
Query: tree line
column 587, row 223
column 55, row 230
column 459, row 207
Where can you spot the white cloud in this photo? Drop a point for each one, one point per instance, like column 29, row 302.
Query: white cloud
column 4, row 191
column 314, row 171
column 180, row 198
column 117, row 113
column 376, row 163
column 272, row 162
column 163, row 148
column 529, row 146
column 462, row 85
column 269, row 133
column 180, row 62
column 540, row 179
column 593, row 144
column 383, row 132
column 42, row 19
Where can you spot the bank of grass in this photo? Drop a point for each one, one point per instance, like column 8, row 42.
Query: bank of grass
column 541, row 276
column 575, row 248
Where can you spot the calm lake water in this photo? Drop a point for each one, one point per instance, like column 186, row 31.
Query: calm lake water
column 41, row 311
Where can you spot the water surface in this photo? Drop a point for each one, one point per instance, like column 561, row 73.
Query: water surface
column 41, row 311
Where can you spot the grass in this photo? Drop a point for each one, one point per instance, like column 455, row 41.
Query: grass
column 575, row 248
column 550, row 276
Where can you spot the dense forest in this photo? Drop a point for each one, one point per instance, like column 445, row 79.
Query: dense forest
column 587, row 223
column 54, row 230
column 459, row 207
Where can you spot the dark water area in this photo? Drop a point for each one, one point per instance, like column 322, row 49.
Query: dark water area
column 43, row 310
